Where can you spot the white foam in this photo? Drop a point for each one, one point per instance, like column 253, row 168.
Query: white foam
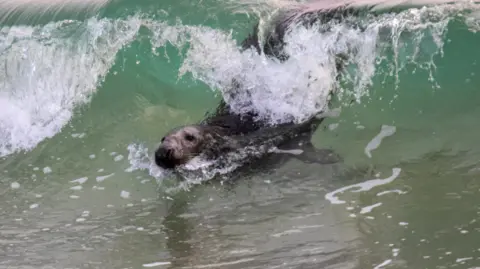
column 368, row 209
column 223, row 264
column 391, row 191
column 385, row 131
column 47, row 170
column 154, row 264
column 364, row 186
column 333, row 126
column 46, row 73
column 80, row 180
column 383, row 264
column 125, row 194
column 140, row 159
column 288, row 151
column 80, row 135
column 279, row 92
column 102, row 178
column 461, row 260
column 15, row 185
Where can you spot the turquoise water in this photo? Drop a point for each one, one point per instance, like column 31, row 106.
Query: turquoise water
column 86, row 96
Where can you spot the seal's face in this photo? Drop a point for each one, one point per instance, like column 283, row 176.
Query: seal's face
column 180, row 146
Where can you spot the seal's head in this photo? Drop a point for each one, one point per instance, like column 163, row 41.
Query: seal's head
column 181, row 145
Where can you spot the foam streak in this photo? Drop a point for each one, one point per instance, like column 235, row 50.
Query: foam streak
column 364, row 186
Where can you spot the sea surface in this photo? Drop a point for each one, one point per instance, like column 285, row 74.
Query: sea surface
column 86, row 95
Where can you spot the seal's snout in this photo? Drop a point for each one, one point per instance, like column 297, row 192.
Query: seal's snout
column 179, row 146
column 163, row 158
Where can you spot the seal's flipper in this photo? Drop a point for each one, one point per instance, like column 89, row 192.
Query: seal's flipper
column 311, row 154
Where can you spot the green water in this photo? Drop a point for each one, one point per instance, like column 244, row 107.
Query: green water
column 280, row 218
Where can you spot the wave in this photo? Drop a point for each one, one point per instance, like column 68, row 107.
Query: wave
column 51, row 70
column 48, row 71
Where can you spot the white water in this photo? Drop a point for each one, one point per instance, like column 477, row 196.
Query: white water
column 47, row 71
column 299, row 88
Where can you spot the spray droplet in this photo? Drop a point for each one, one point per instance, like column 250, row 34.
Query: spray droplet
column 47, row 170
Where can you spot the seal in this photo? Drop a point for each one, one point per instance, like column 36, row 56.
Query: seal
column 225, row 133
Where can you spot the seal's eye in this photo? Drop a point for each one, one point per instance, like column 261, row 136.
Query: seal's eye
column 163, row 139
column 189, row 137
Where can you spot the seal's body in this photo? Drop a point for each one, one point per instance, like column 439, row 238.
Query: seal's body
column 223, row 131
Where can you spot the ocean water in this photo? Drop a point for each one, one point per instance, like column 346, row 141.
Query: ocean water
column 86, row 95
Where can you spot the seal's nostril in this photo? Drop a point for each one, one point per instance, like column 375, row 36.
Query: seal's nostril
column 163, row 158
column 160, row 153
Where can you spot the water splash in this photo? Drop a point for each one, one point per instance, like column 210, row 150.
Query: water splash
column 140, row 159
column 298, row 88
column 196, row 171
column 48, row 71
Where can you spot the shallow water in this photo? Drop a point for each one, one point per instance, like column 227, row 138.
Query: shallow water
column 81, row 98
